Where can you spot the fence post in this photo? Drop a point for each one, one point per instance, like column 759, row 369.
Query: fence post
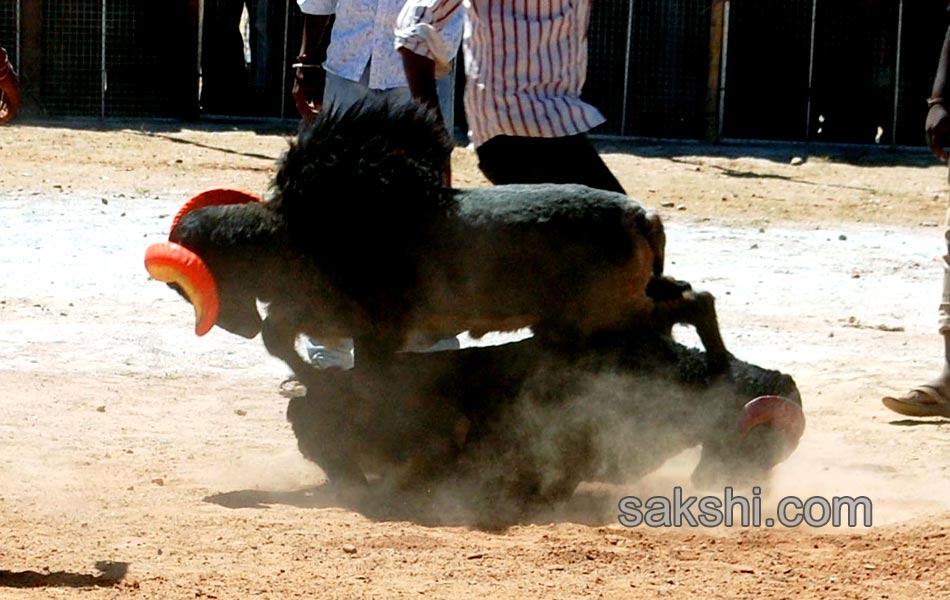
column 16, row 25
column 714, row 78
column 626, row 69
column 201, row 29
column 285, row 61
column 811, row 69
column 897, row 72
column 30, row 53
column 103, row 78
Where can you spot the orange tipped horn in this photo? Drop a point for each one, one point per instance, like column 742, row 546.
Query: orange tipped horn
column 214, row 197
column 783, row 414
column 173, row 263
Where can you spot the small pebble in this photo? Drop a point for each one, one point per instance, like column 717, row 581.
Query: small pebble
column 749, row 570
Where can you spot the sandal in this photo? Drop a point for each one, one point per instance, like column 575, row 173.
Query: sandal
column 291, row 388
column 921, row 401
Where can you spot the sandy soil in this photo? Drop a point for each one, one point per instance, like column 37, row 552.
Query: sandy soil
column 139, row 461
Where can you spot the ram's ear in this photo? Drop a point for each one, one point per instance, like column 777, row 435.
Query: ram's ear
column 174, row 264
column 214, row 197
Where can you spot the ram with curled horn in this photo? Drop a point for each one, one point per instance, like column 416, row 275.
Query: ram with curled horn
column 360, row 239
column 522, row 423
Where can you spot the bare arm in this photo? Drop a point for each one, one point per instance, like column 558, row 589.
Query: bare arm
column 420, row 75
column 938, row 120
column 420, row 43
column 308, row 76
column 314, row 28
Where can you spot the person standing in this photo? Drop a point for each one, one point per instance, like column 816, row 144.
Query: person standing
column 525, row 64
column 231, row 85
column 932, row 399
column 360, row 59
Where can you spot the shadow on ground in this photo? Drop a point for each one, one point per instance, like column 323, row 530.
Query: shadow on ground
column 779, row 152
column 588, row 506
column 919, row 422
column 110, row 573
column 260, row 126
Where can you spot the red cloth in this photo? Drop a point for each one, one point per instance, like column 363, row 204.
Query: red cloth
column 9, row 89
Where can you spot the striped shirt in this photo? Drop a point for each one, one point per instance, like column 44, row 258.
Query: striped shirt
column 532, row 87
column 363, row 35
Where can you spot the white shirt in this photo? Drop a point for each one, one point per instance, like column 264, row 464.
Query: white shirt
column 532, row 87
column 363, row 34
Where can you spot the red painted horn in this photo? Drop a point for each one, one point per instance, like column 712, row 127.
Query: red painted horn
column 214, row 197
column 172, row 263
column 775, row 411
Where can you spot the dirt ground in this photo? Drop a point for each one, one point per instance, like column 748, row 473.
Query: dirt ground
column 139, row 461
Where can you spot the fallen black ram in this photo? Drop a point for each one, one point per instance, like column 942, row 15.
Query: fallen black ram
column 527, row 423
column 360, row 239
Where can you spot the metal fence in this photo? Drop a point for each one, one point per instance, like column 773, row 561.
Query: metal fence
column 648, row 64
column 830, row 70
column 9, row 21
column 822, row 70
column 116, row 58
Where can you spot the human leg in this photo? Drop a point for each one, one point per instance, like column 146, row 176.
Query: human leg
column 224, row 85
column 932, row 399
column 445, row 88
column 328, row 355
column 571, row 159
column 268, row 65
column 340, row 93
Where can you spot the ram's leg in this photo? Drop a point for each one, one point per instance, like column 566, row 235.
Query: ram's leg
column 667, row 288
column 699, row 310
column 280, row 339
column 664, row 291
column 376, row 349
column 325, row 437
column 656, row 238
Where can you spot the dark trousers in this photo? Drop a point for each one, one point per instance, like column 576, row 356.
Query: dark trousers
column 573, row 159
column 229, row 85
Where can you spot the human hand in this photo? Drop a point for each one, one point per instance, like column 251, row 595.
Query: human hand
column 309, row 81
